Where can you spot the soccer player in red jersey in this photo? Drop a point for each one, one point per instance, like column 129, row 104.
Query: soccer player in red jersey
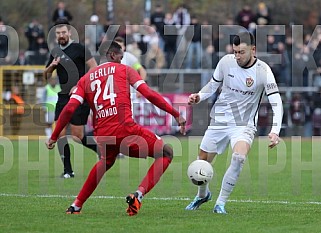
column 107, row 90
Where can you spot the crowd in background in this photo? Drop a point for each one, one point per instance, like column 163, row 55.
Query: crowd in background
column 179, row 46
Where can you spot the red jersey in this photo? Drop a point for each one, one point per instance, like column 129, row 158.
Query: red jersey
column 107, row 90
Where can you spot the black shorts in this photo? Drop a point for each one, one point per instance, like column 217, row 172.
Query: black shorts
column 79, row 117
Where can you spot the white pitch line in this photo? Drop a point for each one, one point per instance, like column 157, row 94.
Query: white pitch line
column 160, row 198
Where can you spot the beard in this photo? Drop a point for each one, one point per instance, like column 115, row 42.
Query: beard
column 63, row 41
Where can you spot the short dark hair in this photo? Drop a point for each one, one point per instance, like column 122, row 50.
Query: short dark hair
column 119, row 39
column 109, row 46
column 63, row 21
column 244, row 37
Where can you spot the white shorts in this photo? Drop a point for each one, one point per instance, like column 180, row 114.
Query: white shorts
column 216, row 139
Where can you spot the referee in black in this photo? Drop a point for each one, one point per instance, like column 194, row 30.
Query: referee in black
column 71, row 60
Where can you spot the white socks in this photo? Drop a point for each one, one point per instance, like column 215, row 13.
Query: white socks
column 202, row 190
column 75, row 207
column 230, row 178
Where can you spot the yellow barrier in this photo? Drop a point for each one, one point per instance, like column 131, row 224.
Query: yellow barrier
column 29, row 80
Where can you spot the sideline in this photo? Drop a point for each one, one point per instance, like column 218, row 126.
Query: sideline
column 160, row 199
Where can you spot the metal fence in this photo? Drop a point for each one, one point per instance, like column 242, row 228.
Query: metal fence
column 30, row 81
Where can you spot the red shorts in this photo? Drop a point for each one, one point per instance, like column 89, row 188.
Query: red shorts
column 141, row 144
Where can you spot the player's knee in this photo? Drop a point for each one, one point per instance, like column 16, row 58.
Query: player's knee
column 168, row 151
column 237, row 161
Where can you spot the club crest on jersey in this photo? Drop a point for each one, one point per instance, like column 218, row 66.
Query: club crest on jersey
column 249, row 81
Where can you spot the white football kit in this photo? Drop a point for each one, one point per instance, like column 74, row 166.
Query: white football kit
column 234, row 114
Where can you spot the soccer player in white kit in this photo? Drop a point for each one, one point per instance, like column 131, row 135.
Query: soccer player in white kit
column 243, row 79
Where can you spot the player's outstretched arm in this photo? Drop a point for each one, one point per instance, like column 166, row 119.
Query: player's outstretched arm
column 207, row 91
column 193, row 99
column 182, row 123
column 48, row 70
column 156, row 99
column 50, row 144
column 62, row 121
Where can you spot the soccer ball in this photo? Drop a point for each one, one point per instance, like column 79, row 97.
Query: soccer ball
column 200, row 172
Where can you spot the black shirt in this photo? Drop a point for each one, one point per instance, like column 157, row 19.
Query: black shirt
column 72, row 65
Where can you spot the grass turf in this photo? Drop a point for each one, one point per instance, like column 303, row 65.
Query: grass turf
column 279, row 190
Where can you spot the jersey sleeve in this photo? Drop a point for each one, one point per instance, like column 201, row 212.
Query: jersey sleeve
column 270, row 85
column 65, row 117
column 277, row 108
column 156, row 99
column 218, row 74
column 133, row 77
column 209, row 89
column 79, row 91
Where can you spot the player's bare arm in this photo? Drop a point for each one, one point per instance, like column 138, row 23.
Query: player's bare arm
column 50, row 144
column 142, row 72
column 182, row 123
column 91, row 63
column 48, row 71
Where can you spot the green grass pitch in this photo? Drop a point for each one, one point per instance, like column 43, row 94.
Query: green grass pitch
column 279, row 190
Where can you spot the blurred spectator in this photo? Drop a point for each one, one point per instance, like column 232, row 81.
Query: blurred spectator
column 61, row 12
column 307, row 101
column 245, row 17
column 128, row 58
column 210, row 58
column 300, row 58
column 137, row 41
column 182, row 20
column 157, row 19
column 107, row 24
column 155, row 58
column 170, row 37
column 284, row 76
column 281, row 68
column 94, row 34
column 297, row 114
column 4, row 43
column 21, row 61
column 207, row 34
column 311, row 21
column 35, row 35
column 194, row 51
column 41, row 53
column 316, row 122
column 316, row 112
column 16, row 110
column 263, row 16
column 50, row 98
column 264, row 117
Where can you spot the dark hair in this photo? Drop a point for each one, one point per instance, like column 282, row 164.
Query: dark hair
column 244, row 37
column 119, row 39
column 62, row 21
column 109, row 46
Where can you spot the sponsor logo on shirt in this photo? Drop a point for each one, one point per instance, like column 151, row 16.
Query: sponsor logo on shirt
column 230, row 75
column 241, row 91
